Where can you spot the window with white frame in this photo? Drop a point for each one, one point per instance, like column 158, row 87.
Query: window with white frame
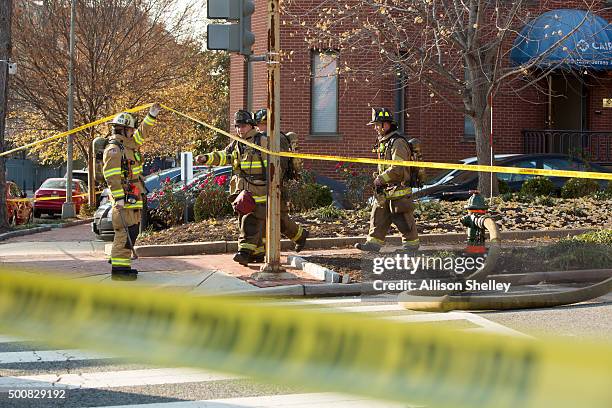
column 324, row 93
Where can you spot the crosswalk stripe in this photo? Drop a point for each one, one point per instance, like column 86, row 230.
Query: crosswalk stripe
column 8, row 339
column 320, row 400
column 46, row 356
column 113, row 379
column 369, row 308
column 427, row 317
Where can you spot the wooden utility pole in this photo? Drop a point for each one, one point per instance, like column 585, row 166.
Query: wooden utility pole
column 6, row 12
column 272, row 269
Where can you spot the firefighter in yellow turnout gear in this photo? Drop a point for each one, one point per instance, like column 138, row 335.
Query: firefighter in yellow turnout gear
column 122, row 170
column 392, row 186
column 248, row 186
column 289, row 228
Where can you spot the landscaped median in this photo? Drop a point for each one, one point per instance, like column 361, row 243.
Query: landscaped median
column 438, row 223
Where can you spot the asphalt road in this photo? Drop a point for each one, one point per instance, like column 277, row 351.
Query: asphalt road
column 86, row 379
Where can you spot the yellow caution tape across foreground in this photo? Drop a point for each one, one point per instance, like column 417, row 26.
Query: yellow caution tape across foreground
column 431, row 165
column 70, row 132
column 325, row 351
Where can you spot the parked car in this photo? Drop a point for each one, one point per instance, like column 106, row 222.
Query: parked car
column 102, row 224
column 51, row 195
column 18, row 211
column 455, row 184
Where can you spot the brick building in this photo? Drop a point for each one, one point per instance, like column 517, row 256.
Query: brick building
column 330, row 116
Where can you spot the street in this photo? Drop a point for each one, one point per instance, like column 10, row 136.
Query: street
column 90, row 379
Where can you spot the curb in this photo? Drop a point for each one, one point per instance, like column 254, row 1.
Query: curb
column 24, row 232
column 42, row 228
column 219, row 247
column 319, row 272
column 366, row 288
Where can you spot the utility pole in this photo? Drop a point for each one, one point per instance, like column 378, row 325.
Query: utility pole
column 272, row 268
column 6, row 12
column 68, row 206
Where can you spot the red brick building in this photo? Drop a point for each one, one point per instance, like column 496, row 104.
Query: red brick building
column 339, row 127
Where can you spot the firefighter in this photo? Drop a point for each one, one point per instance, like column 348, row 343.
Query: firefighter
column 392, row 185
column 289, row 228
column 248, row 186
column 122, row 169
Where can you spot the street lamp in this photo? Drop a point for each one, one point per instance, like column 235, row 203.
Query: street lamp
column 68, row 206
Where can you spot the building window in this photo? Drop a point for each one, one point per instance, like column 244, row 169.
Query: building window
column 324, row 93
column 468, row 128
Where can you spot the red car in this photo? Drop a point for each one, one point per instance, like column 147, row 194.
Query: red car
column 18, row 209
column 52, row 194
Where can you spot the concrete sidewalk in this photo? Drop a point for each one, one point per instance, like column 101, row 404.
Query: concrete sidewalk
column 75, row 252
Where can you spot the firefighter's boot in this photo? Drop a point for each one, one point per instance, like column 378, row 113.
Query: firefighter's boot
column 368, row 246
column 242, row 257
column 301, row 243
column 123, row 273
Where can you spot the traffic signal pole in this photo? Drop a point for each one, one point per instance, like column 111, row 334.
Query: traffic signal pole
column 272, row 269
column 235, row 35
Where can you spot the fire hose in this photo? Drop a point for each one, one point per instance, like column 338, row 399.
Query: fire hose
column 444, row 301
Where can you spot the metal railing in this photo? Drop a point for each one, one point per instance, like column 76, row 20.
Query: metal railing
column 592, row 145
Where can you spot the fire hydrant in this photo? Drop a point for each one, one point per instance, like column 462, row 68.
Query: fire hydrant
column 477, row 221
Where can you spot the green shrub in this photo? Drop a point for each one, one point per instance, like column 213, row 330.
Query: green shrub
column 538, row 186
column 546, row 201
column 579, row 187
column 603, row 237
column 504, row 188
column 576, row 211
column 171, row 206
column 357, row 180
column 305, row 196
column 212, row 202
column 428, row 210
column 329, row 212
column 87, row 210
column 609, row 188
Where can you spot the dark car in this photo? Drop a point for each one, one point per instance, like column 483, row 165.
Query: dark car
column 455, row 184
column 102, row 224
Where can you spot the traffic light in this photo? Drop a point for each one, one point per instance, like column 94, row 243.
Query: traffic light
column 235, row 35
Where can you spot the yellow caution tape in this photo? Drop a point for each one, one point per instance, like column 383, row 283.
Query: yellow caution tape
column 406, row 163
column 75, row 130
column 416, row 364
column 21, row 200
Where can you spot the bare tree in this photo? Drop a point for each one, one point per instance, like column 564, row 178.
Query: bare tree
column 126, row 50
column 457, row 49
column 6, row 11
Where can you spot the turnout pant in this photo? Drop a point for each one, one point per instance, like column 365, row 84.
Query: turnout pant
column 253, row 229
column 400, row 212
column 121, row 251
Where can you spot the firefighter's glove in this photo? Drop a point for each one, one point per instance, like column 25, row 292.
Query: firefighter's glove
column 154, row 109
column 378, row 182
column 201, row 159
column 120, row 203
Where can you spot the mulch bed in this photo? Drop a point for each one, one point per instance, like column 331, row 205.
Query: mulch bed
column 431, row 218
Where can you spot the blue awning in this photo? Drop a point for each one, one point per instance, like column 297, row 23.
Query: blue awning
column 590, row 45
